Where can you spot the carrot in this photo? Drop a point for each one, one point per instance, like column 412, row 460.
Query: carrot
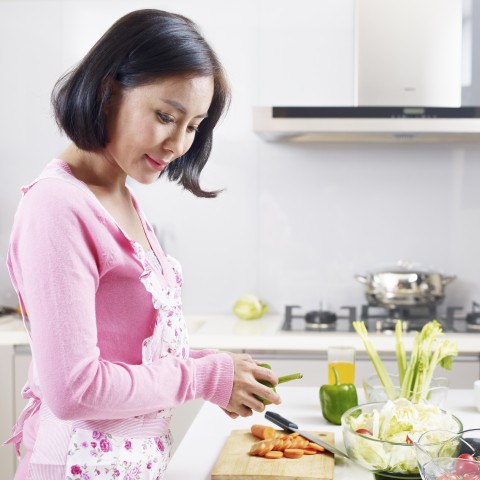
column 276, row 444
column 263, row 432
column 293, row 453
column 260, row 448
column 274, row 454
column 299, row 442
column 316, row 447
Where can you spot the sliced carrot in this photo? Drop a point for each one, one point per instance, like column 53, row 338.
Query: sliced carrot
column 309, row 451
column 274, row 454
column 263, row 432
column 299, row 442
column 260, row 448
column 316, row 446
column 293, row 453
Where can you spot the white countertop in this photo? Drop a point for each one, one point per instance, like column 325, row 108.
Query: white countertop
column 229, row 333
column 226, row 332
column 196, row 456
column 12, row 331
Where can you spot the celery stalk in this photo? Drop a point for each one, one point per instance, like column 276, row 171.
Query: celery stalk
column 409, row 377
column 428, row 352
column 377, row 362
column 400, row 352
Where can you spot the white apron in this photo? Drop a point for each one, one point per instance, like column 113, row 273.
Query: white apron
column 128, row 449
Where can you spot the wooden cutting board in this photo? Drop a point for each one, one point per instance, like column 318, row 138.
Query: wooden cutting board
column 234, row 462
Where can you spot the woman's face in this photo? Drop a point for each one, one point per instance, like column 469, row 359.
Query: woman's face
column 151, row 125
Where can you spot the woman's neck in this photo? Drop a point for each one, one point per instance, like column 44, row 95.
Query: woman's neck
column 96, row 170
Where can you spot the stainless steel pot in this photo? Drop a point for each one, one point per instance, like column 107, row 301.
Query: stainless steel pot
column 405, row 284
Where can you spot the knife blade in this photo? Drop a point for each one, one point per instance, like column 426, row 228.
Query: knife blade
column 293, row 427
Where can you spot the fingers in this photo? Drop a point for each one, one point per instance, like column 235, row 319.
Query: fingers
column 248, row 393
column 230, row 414
column 262, row 373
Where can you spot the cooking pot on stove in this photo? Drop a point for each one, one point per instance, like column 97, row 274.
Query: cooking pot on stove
column 404, row 284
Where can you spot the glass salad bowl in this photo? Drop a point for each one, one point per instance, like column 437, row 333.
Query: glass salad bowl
column 379, row 436
column 374, row 390
column 443, row 455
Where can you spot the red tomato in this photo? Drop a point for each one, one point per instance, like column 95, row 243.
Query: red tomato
column 364, row 431
column 467, row 456
column 467, row 465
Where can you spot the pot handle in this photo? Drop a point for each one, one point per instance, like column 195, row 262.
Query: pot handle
column 446, row 279
column 361, row 278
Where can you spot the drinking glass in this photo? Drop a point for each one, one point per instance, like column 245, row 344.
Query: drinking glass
column 343, row 359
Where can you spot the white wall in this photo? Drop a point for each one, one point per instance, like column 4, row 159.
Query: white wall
column 295, row 222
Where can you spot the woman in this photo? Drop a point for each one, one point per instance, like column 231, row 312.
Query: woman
column 109, row 343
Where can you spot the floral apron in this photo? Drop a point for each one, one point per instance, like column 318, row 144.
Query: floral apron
column 128, row 449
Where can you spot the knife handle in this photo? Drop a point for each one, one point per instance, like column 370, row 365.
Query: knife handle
column 281, row 421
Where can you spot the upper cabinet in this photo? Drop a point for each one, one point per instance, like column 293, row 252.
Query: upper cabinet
column 306, row 52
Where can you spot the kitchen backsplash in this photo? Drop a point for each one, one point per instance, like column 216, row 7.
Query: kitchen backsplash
column 294, row 223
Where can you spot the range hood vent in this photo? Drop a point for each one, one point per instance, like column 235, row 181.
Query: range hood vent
column 407, row 83
column 367, row 124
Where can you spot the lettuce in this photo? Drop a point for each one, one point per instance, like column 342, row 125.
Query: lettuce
column 249, row 307
column 390, row 426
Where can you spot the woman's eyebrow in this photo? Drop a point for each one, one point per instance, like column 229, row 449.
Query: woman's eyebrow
column 181, row 108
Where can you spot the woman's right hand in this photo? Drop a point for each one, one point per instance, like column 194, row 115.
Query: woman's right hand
column 245, row 385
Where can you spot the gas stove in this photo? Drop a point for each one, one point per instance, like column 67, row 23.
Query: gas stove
column 380, row 319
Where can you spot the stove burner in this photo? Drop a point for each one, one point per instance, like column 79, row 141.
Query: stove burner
column 381, row 319
column 473, row 318
column 320, row 320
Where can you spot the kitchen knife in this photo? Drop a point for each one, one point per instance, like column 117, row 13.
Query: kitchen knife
column 293, row 427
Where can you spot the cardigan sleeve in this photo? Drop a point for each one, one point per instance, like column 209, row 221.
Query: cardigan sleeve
column 54, row 262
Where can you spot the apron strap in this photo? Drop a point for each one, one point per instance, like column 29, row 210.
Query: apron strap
column 31, row 409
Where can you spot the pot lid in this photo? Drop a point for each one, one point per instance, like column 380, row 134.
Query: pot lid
column 404, row 267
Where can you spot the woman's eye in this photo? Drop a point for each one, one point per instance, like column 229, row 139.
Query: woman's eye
column 193, row 128
column 165, row 118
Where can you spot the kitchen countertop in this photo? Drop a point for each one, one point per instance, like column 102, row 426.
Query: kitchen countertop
column 227, row 332
column 195, row 457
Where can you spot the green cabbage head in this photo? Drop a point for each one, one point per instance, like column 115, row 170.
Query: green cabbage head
column 249, row 307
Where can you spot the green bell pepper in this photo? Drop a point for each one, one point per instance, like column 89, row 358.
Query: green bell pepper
column 286, row 378
column 337, row 399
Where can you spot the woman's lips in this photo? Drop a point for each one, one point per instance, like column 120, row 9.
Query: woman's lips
column 157, row 165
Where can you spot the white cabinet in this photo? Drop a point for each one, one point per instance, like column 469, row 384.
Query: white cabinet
column 306, row 53
column 7, row 417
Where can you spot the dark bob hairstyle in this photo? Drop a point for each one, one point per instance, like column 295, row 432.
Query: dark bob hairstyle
column 140, row 48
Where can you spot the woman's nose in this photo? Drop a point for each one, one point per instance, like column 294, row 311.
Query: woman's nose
column 175, row 142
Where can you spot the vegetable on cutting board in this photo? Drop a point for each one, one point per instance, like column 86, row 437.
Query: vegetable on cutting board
column 274, row 444
column 336, row 399
column 429, row 350
column 285, row 378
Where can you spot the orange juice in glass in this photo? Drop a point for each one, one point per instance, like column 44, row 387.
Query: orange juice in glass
column 343, row 359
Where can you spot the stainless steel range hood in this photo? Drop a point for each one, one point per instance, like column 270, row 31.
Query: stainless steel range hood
column 407, row 83
column 367, row 124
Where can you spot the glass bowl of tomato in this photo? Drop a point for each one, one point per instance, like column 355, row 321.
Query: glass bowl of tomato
column 444, row 455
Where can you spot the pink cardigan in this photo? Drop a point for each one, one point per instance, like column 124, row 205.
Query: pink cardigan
column 78, row 279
